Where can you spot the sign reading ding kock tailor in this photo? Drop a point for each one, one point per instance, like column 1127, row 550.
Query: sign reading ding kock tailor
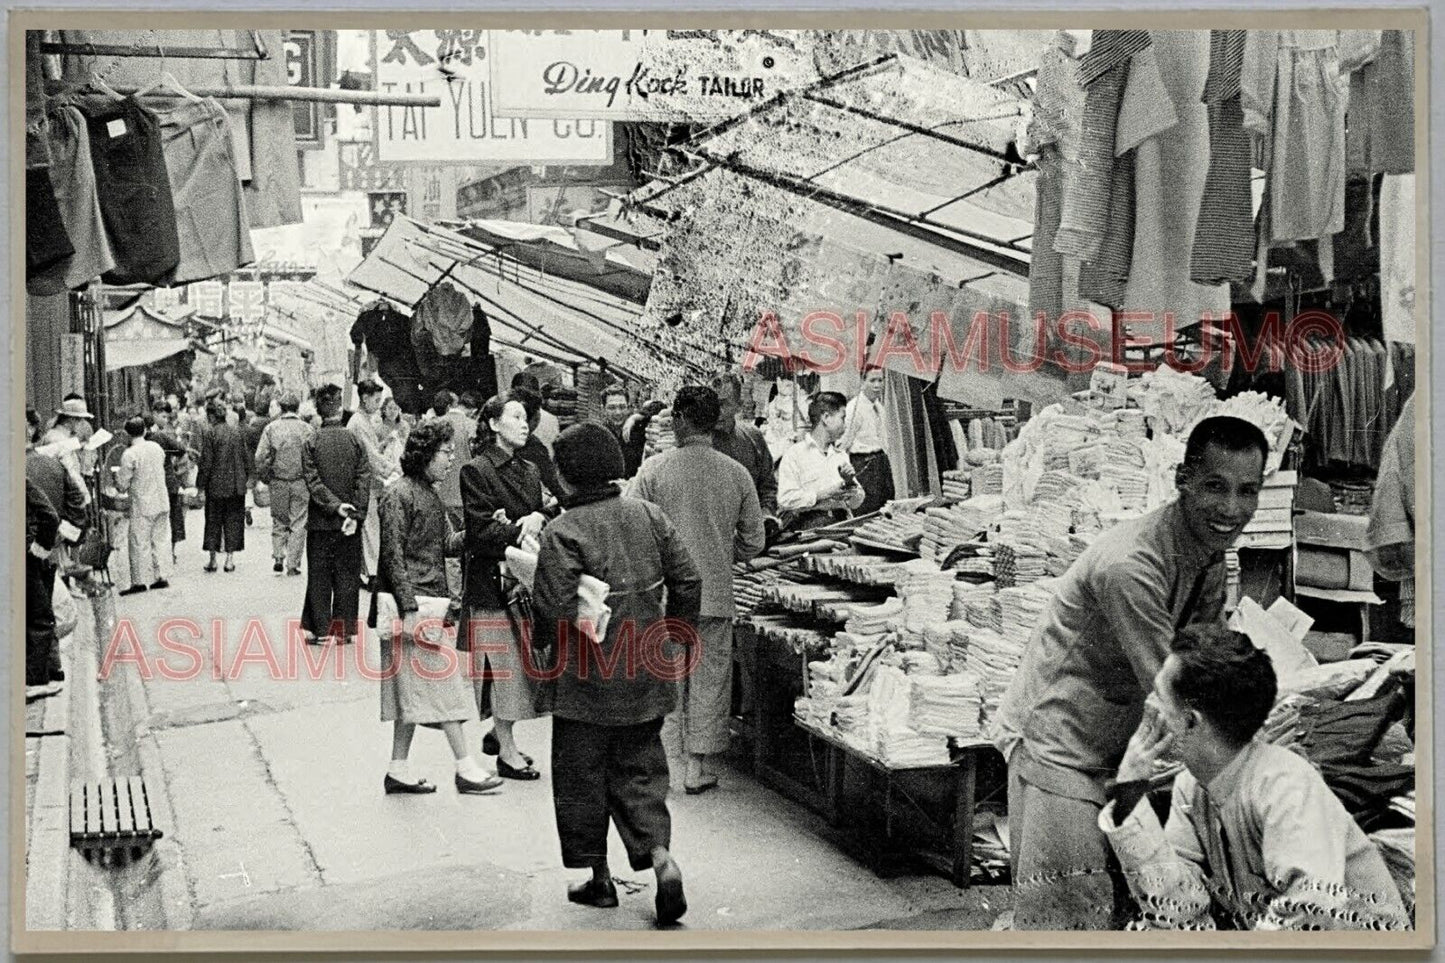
column 650, row 75
column 453, row 66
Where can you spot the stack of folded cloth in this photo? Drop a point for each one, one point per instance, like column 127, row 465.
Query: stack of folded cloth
column 955, row 485
column 995, row 660
column 1021, row 609
column 1063, row 552
column 985, row 612
column 927, row 598
column 1057, row 486
column 966, row 592
column 987, row 480
column 920, row 662
column 875, row 619
column 850, row 717
column 946, row 705
column 893, row 742
column 1129, row 423
column 894, row 532
column 1131, row 484
column 659, row 434
column 863, row 569
column 938, row 642
column 1019, row 564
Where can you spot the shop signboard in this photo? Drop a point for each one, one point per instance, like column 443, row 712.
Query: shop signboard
column 302, row 69
column 651, row 75
column 454, row 66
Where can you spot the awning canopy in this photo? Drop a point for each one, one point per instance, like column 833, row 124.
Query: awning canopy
column 138, row 352
column 529, row 309
column 578, row 254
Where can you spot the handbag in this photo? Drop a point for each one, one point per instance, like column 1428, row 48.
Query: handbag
column 67, row 614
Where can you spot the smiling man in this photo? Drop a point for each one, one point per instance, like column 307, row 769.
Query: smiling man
column 1079, row 694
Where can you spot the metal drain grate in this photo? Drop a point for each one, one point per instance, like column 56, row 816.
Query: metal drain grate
column 111, row 817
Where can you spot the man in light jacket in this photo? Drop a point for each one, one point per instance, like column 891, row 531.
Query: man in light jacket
column 278, row 464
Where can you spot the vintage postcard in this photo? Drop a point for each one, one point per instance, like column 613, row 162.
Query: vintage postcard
column 749, row 481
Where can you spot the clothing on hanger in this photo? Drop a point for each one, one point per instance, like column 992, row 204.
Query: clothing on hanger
column 213, row 227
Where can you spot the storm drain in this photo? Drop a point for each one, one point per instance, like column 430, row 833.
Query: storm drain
column 110, row 820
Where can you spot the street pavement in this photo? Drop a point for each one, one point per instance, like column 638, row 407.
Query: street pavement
column 280, row 821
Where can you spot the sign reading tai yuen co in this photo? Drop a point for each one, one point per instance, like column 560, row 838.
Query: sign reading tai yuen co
column 453, row 65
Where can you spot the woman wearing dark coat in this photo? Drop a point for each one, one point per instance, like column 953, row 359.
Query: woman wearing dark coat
column 608, row 761
column 222, row 471
column 502, row 506
column 423, row 682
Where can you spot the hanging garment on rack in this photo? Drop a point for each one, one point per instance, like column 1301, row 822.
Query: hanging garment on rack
column 46, row 242
column 1170, row 171
column 1382, row 108
column 211, row 220
column 264, row 131
column 134, row 189
column 1104, row 279
column 386, row 333
column 1397, row 257
column 1294, row 99
column 1224, row 234
column 444, row 318
column 1089, row 167
column 72, row 177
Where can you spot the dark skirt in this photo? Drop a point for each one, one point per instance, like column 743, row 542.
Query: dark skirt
column 225, row 524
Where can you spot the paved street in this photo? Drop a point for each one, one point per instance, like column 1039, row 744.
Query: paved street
column 280, row 821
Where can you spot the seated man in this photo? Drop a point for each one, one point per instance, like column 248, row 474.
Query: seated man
column 1255, row 839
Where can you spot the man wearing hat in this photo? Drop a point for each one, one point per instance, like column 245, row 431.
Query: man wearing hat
column 73, row 427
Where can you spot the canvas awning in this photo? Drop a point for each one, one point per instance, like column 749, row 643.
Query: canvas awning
column 529, row 309
column 577, row 254
column 138, row 352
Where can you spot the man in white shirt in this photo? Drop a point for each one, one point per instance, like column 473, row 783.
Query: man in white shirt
column 816, row 481
column 142, row 475
column 363, row 426
column 1255, row 839
column 863, row 441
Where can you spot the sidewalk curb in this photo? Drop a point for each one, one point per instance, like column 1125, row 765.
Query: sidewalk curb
column 130, row 739
column 46, row 872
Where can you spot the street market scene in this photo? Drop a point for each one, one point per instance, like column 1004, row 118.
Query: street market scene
column 721, row 480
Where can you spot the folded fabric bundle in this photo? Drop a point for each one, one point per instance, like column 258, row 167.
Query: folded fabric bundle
column 946, row 705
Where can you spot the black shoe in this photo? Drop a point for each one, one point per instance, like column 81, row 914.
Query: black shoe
column 133, row 590
column 671, row 903
column 279, row 566
column 485, row 786
column 491, row 747
column 599, row 893
column 293, row 571
column 249, row 520
column 394, row 785
column 525, row 774
column 159, row 584
column 57, row 675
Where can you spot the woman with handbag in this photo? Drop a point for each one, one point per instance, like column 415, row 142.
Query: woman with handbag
column 502, row 506
column 608, row 761
column 423, row 679
column 222, row 471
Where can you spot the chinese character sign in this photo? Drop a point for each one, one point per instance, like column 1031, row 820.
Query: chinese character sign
column 247, row 301
column 206, row 297
column 453, row 65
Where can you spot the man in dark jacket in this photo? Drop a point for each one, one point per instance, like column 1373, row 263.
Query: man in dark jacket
column 338, row 476
column 607, row 755
column 42, row 525
column 60, row 490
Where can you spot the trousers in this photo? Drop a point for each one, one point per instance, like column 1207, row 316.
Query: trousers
column 1065, row 875
column 609, row 772
column 225, row 524
column 41, row 645
column 875, row 474
column 149, row 546
column 699, row 724
column 333, row 583
column 290, row 507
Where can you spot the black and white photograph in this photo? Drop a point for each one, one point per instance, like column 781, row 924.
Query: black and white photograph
column 684, row 481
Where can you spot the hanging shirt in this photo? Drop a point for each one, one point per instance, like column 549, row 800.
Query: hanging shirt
column 1391, row 535
column 1266, row 843
column 864, row 434
column 1079, row 692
